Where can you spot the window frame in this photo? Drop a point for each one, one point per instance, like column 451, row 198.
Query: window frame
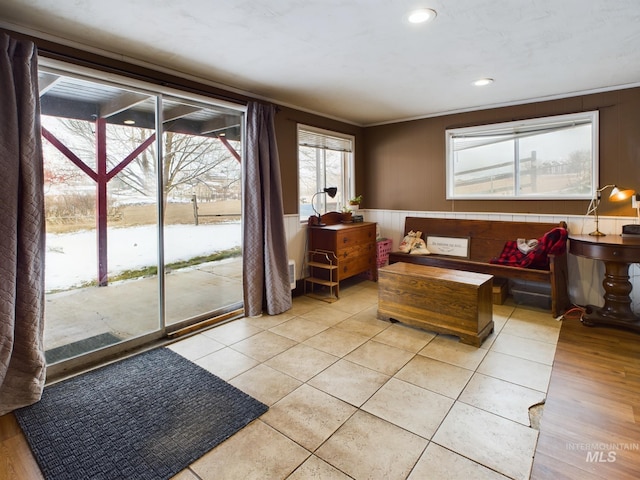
column 127, row 82
column 534, row 124
column 347, row 187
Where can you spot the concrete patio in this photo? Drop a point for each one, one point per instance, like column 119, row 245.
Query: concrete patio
column 130, row 308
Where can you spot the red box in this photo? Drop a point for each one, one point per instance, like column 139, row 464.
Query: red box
column 382, row 257
column 384, row 248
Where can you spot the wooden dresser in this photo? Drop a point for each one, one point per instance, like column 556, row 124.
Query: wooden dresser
column 352, row 244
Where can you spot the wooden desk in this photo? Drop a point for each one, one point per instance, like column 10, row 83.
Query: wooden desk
column 617, row 253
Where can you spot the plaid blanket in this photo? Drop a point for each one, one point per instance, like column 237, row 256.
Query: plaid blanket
column 554, row 242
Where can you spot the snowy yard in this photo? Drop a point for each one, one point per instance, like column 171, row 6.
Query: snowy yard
column 71, row 258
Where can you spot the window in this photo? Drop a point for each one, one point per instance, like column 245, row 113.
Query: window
column 544, row 158
column 325, row 159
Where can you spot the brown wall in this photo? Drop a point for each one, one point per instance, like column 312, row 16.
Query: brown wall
column 405, row 163
column 402, row 166
column 285, row 123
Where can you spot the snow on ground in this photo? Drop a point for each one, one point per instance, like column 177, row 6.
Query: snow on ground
column 71, row 258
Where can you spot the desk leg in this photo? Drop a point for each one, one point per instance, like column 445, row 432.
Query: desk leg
column 616, row 311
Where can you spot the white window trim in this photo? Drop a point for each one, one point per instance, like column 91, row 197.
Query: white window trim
column 528, row 124
column 350, row 180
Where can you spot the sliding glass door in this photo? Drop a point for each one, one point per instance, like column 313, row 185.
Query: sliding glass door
column 142, row 199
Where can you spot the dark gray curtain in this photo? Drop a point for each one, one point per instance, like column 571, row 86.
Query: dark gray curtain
column 22, row 236
column 264, row 247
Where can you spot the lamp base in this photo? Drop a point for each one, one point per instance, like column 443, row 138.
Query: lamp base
column 598, row 233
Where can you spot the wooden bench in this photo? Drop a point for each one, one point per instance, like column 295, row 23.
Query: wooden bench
column 447, row 301
column 486, row 241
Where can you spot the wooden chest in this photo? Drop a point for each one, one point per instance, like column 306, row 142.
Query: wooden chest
column 354, row 244
column 437, row 299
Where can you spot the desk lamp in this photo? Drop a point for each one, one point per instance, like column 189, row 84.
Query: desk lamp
column 616, row 195
column 331, row 191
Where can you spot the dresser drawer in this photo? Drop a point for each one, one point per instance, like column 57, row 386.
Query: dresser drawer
column 355, row 236
column 357, row 250
column 353, row 266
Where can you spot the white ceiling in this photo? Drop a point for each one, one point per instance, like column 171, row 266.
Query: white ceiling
column 360, row 60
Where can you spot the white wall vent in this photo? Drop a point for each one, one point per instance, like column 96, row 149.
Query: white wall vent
column 292, row 274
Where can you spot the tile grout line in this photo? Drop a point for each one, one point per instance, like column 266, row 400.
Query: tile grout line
column 371, row 338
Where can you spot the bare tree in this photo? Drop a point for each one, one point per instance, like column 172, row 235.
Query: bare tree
column 580, row 167
column 186, row 157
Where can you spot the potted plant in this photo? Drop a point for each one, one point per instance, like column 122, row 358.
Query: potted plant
column 354, row 203
column 346, row 215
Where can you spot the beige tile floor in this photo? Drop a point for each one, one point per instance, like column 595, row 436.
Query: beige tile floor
column 352, row 396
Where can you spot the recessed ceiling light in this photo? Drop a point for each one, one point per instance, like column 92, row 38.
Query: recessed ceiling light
column 483, row 81
column 129, row 122
column 422, row 15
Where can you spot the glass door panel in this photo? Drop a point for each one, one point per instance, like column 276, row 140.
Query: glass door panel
column 96, row 140
column 202, row 211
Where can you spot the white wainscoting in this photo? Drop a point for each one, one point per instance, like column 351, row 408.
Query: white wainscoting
column 585, row 275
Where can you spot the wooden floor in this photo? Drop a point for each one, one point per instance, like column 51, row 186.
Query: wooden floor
column 590, row 426
column 16, row 460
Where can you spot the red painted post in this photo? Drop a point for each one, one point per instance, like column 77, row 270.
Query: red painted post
column 232, row 150
column 101, row 200
column 102, row 178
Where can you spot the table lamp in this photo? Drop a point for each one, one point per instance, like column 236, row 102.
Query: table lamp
column 616, row 195
column 331, row 191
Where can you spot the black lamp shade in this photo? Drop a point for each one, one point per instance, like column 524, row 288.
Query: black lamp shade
column 331, row 191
